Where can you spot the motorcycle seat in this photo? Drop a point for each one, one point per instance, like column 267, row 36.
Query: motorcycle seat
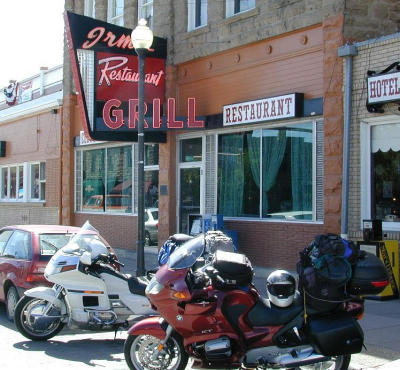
column 136, row 286
column 264, row 313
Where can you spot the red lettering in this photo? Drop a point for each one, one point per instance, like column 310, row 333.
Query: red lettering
column 240, row 118
column 134, row 114
column 266, row 106
column 252, row 113
column 191, row 121
column 171, row 122
column 95, row 34
column 280, row 107
column 288, row 102
column 116, row 113
column 234, row 114
column 372, row 89
column 246, row 109
column 156, row 113
column 259, row 110
column 228, row 115
column 273, row 111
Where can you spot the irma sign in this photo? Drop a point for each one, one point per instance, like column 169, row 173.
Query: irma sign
column 105, row 68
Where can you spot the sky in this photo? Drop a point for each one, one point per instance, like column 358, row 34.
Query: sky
column 31, row 36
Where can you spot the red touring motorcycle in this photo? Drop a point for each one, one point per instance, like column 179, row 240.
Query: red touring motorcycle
column 210, row 311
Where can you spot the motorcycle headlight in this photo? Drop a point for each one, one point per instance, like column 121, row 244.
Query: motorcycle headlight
column 154, row 287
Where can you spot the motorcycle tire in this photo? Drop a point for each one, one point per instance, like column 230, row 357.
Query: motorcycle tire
column 24, row 321
column 338, row 363
column 139, row 350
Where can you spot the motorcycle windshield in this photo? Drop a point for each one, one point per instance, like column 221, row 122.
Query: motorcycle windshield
column 186, row 255
column 83, row 241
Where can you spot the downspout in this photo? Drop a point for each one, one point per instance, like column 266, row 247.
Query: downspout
column 348, row 52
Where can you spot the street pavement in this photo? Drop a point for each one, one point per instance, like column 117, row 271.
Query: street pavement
column 88, row 350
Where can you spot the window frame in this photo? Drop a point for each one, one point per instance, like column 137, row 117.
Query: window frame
column 112, row 17
column 78, row 169
column 143, row 6
column 233, row 8
column 317, row 214
column 366, row 170
column 90, row 8
column 195, row 11
column 24, row 169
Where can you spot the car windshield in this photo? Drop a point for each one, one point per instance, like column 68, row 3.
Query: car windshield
column 154, row 214
column 186, row 255
column 51, row 243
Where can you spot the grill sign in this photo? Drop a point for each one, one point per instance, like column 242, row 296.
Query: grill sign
column 109, row 101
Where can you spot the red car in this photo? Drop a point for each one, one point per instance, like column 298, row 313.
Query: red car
column 24, row 253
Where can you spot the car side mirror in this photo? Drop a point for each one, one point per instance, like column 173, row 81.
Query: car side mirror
column 86, row 258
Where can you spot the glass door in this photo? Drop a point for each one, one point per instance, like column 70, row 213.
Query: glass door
column 189, row 210
column 190, row 184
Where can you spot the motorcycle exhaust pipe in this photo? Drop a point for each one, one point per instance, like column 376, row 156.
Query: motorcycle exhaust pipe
column 314, row 358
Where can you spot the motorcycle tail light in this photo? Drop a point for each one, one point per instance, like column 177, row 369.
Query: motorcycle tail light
column 380, row 284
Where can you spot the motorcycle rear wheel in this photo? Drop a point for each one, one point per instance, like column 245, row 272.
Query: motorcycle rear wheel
column 341, row 362
column 29, row 309
column 139, row 350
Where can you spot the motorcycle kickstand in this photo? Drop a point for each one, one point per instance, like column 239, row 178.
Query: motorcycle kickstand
column 160, row 347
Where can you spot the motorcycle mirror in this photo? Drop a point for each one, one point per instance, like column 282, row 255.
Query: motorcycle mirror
column 86, row 258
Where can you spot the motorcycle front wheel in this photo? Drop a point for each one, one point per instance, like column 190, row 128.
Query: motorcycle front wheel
column 31, row 322
column 141, row 353
column 336, row 363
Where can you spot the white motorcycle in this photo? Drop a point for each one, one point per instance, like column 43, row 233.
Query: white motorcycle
column 88, row 292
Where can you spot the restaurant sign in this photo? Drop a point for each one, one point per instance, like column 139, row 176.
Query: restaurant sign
column 267, row 109
column 105, row 69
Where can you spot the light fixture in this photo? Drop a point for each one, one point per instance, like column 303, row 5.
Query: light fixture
column 142, row 35
column 142, row 38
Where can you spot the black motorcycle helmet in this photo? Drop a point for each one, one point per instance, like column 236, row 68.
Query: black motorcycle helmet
column 281, row 288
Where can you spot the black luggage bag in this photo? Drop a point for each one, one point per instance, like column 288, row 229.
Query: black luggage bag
column 369, row 276
column 336, row 335
column 234, row 268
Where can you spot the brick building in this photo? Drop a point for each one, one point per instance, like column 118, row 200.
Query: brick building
column 30, row 160
column 374, row 161
column 276, row 177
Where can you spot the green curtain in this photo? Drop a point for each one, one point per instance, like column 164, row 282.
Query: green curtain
column 231, row 175
column 273, row 151
column 301, row 172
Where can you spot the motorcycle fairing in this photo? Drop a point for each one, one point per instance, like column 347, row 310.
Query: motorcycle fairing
column 48, row 294
column 154, row 326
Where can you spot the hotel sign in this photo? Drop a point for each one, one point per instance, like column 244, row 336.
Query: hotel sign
column 267, row 109
column 384, row 88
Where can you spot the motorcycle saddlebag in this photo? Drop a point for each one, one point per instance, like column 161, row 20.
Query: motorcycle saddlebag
column 369, row 276
column 337, row 335
column 234, row 268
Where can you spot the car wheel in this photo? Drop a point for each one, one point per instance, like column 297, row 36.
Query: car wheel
column 147, row 240
column 12, row 300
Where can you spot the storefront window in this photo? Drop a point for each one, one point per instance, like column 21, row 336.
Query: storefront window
column 385, row 168
column 93, row 180
column 151, row 155
column 191, row 150
column 119, row 179
column 268, row 169
column 4, row 182
column 104, row 179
